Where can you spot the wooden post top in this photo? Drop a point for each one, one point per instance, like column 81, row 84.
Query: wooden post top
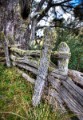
column 63, row 61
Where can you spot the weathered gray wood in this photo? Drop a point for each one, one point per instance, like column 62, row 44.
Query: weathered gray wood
column 61, row 90
column 25, row 60
column 25, row 52
column 43, row 68
column 76, row 76
column 55, row 83
column 68, row 97
column 57, row 71
column 26, row 67
column 37, row 53
column 63, row 62
column 78, row 89
column 72, row 103
column 59, row 101
column 77, row 94
column 26, row 76
column 58, row 76
column 6, row 51
column 33, row 28
column 28, row 60
column 72, row 95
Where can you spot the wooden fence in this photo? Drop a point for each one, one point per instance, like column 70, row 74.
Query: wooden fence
column 55, row 83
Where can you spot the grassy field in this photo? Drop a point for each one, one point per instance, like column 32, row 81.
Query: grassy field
column 15, row 99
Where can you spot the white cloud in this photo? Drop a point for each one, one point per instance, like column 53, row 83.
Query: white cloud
column 68, row 17
column 37, row 0
column 40, row 32
column 59, row 11
column 43, row 23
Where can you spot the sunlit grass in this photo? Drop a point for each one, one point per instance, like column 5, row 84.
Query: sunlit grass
column 16, row 97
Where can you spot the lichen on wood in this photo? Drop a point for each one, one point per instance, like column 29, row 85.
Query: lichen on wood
column 43, row 68
column 63, row 61
column 25, row 52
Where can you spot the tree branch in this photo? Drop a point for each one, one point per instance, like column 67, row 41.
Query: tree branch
column 45, row 11
column 50, row 4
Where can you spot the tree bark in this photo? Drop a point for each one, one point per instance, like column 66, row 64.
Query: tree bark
column 7, row 57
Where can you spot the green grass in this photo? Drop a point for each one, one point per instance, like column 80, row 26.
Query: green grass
column 16, row 96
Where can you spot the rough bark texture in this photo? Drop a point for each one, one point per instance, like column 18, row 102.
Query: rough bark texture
column 43, row 68
column 33, row 29
column 25, row 52
column 69, row 93
column 76, row 76
column 64, row 88
column 26, row 67
column 6, row 50
column 25, row 60
column 26, row 76
column 37, row 53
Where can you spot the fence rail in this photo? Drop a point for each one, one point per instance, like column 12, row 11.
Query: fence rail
column 55, row 83
column 64, row 86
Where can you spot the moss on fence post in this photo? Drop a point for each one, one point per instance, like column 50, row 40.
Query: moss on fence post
column 43, row 68
column 64, row 55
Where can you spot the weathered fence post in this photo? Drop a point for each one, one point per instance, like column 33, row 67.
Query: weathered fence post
column 43, row 68
column 64, row 55
column 6, row 50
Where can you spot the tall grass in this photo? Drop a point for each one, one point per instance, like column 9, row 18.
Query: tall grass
column 16, row 97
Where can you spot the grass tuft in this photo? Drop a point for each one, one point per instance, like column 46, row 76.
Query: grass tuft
column 16, row 97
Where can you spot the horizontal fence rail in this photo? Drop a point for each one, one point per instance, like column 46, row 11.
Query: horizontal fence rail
column 64, row 86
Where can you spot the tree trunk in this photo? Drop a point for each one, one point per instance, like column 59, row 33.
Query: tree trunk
column 27, row 38
column 7, row 57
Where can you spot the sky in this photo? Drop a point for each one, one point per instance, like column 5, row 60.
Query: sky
column 68, row 17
